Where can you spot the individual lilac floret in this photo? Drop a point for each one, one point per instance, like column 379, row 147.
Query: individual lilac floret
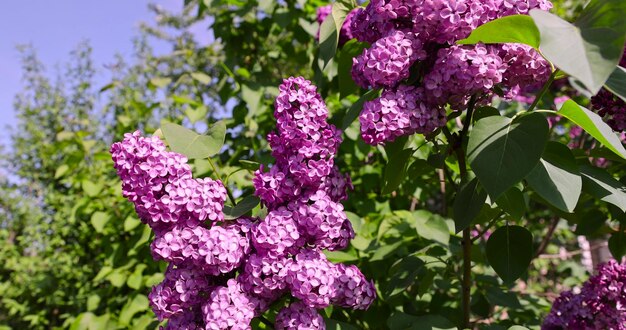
column 263, row 276
column 387, row 61
column 278, row 233
column 228, row 307
column 298, row 316
column 189, row 319
column 311, row 278
column 525, row 67
column 353, row 290
column 514, row 7
column 216, row 251
column 179, row 291
column 200, row 199
column 601, row 304
column 146, row 168
column 322, row 221
column 380, row 17
column 399, row 112
column 461, row 71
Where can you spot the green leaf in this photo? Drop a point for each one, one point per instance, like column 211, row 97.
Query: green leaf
column 131, row 222
column 556, row 178
column 617, row 83
column 92, row 189
column 603, row 186
column 482, row 112
column 117, row 278
column 249, row 165
column 432, row 227
column 350, row 50
column 467, row 204
column 395, row 171
column 201, row 77
column 330, row 28
column 589, row 49
column 192, row 144
column 196, row 114
column 92, row 302
column 513, row 203
column 510, row 251
column 502, row 152
column 99, row 220
column 243, row 207
column 590, row 222
column 508, row 29
column 594, row 125
column 135, row 279
column 338, row 325
column 139, row 303
column 356, row 108
column 617, row 245
column 160, row 82
column 61, row 170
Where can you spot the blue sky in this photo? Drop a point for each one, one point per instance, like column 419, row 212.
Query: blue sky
column 54, row 28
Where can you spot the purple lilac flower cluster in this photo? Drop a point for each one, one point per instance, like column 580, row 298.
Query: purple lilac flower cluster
column 601, row 303
column 414, row 59
column 345, row 34
column 223, row 274
column 611, row 107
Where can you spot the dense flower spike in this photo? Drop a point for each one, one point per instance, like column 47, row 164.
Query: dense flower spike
column 462, row 71
column 299, row 316
column 413, row 51
column 223, row 274
column 179, row 291
column 399, row 112
column 352, row 289
column 323, row 221
column 388, row 60
column 311, row 278
column 611, row 107
column 278, row 233
column 217, row 250
column 601, row 304
column 228, row 307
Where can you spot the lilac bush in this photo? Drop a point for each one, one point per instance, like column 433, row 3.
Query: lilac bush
column 222, row 274
column 413, row 56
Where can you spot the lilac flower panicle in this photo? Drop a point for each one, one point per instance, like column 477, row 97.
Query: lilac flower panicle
column 462, row 71
column 353, row 290
column 278, row 233
column 324, row 222
column 387, row 61
column 216, row 251
column 382, row 16
column 190, row 319
column 399, row 112
column 179, row 291
column 223, row 274
column 611, row 107
column 601, row 304
column 526, row 69
column 298, row 316
column 228, row 307
column 311, row 278
column 145, row 169
column 263, row 276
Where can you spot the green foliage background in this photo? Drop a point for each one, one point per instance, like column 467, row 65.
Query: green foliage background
column 74, row 255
